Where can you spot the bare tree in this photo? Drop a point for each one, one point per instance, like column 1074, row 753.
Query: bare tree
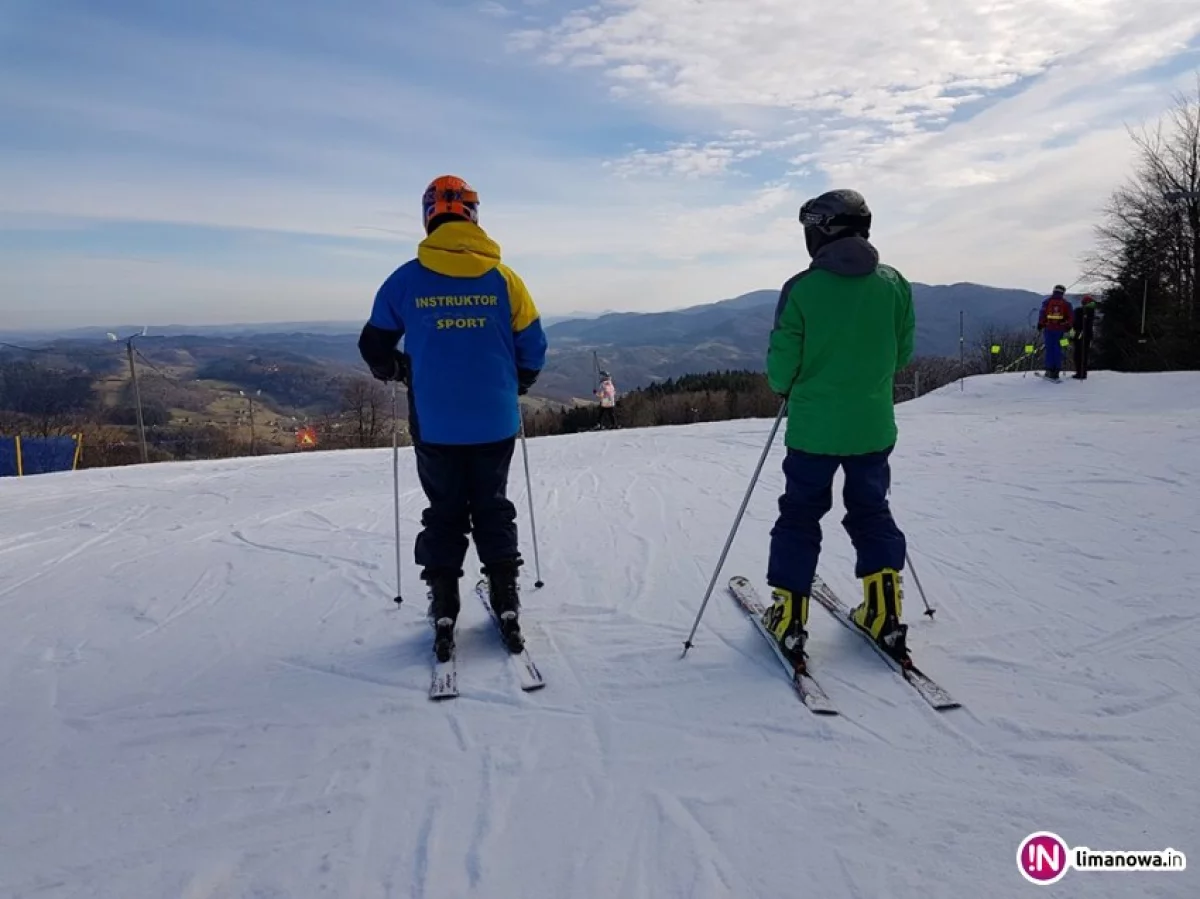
column 368, row 410
column 928, row 373
column 1147, row 256
column 1005, row 348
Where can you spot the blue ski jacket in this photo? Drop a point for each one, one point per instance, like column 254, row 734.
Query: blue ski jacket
column 472, row 334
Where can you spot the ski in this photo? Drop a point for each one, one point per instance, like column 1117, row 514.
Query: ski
column 929, row 689
column 445, row 679
column 525, row 669
column 811, row 692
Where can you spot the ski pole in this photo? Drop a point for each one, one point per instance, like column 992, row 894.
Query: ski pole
column 537, row 565
column 396, row 481
column 907, row 558
column 928, row 610
column 687, row 644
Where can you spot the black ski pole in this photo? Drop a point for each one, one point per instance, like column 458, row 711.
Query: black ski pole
column 687, row 644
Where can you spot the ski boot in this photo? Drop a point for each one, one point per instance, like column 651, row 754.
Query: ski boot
column 879, row 614
column 504, row 594
column 443, row 611
column 786, row 619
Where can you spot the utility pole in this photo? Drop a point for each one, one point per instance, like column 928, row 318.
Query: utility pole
column 1145, row 294
column 137, row 393
column 962, row 362
column 250, row 400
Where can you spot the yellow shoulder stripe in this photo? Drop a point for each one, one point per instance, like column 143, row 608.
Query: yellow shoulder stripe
column 524, row 312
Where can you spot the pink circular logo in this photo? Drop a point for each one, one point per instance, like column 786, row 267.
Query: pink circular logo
column 1043, row 858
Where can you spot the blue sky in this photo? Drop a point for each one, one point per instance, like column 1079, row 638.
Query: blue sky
column 230, row 162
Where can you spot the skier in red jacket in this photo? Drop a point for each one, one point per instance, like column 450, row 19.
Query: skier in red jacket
column 1054, row 321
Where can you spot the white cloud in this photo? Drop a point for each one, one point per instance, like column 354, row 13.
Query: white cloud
column 986, row 136
column 758, row 105
column 860, row 82
column 688, row 160
column 497, row 10
column 861, row 59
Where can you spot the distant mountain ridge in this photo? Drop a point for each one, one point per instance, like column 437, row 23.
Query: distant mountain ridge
column 332, row 327
column 642, row 347
column 639, row 348
column 937, row 310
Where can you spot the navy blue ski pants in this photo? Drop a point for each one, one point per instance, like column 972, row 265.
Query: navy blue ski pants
column 808, row 495
column 1054, row 349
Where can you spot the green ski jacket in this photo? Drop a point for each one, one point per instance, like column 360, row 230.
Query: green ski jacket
column 843, row 328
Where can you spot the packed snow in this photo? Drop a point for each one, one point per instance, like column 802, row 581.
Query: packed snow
column 206, row 689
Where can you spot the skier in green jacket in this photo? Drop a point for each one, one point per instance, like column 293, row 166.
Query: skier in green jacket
column 843, row 328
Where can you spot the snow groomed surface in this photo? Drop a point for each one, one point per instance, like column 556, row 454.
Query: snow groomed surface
column 207, row 691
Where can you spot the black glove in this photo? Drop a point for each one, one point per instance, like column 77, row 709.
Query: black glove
column 395, row 369
column 526, row 378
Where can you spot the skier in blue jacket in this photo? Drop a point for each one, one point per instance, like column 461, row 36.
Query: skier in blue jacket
column 473, row 344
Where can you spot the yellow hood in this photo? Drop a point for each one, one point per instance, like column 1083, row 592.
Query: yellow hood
column 459, row 250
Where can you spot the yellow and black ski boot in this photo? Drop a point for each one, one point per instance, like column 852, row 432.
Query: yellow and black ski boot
column 880, row 613
column 786, row 620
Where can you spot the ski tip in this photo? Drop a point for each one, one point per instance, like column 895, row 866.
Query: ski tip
column 738, row 581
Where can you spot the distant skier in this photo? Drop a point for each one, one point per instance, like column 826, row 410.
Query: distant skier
column 1054, row 321
column 843, row 328
column 474, row 343
column 608, row 401
column 1083, row 324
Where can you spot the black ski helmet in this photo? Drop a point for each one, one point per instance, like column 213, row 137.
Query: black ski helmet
column 833, row 215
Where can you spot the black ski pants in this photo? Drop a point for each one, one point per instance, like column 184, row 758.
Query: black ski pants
column 466, row 487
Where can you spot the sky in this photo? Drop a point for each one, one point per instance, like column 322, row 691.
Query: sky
column 223, row 161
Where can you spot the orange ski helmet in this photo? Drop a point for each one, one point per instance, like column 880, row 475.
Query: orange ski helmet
column 451, row 196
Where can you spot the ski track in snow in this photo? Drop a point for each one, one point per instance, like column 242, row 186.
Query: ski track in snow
column 207, row 691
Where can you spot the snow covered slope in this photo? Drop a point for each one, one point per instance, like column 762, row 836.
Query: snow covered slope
column 206, row 690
